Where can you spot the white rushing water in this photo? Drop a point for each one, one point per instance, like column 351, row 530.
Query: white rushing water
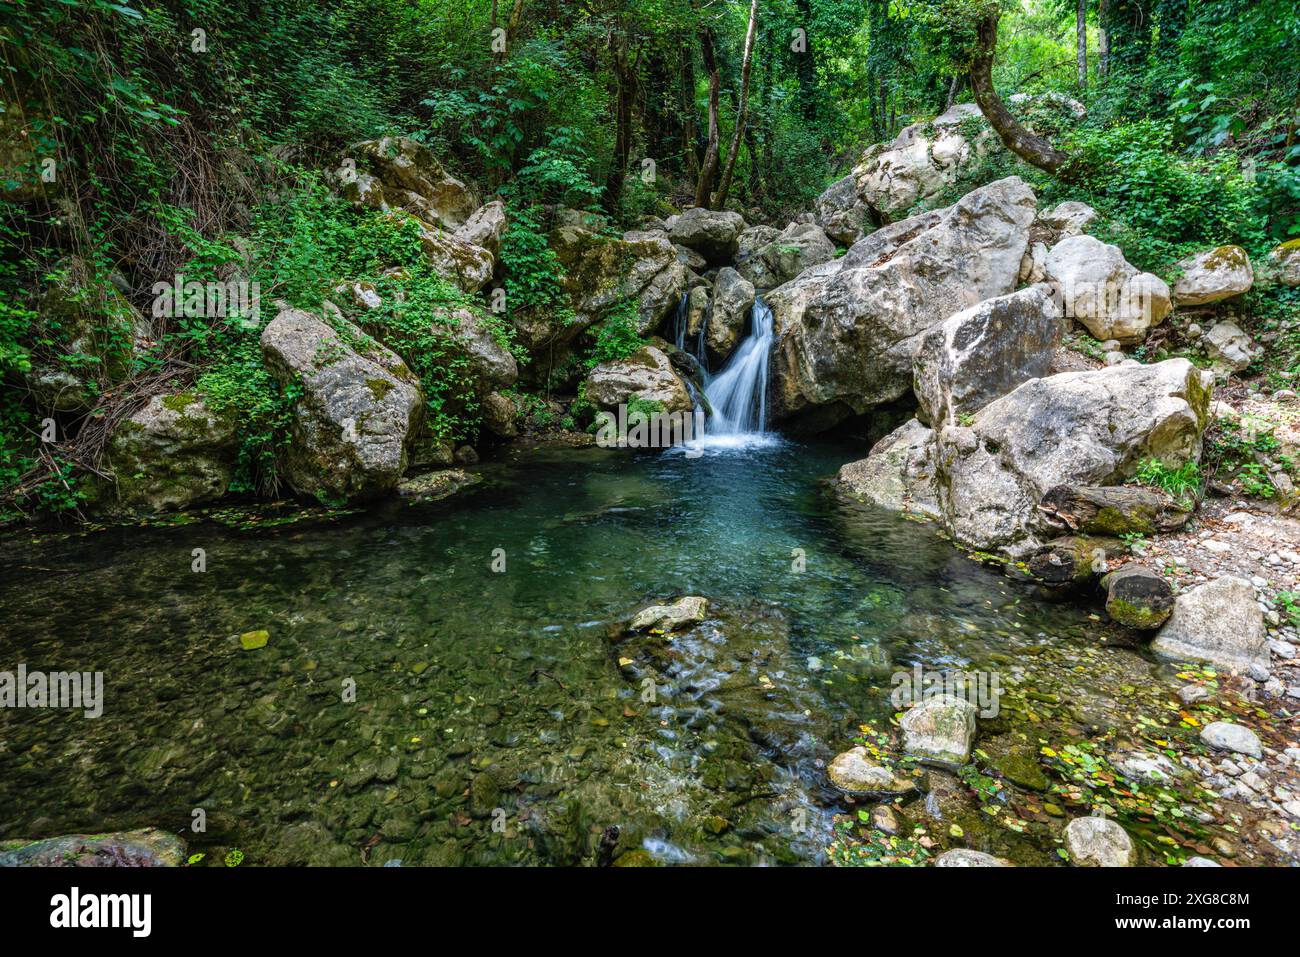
column 737, row 395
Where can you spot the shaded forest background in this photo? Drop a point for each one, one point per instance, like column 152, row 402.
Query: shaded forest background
column 190, row 135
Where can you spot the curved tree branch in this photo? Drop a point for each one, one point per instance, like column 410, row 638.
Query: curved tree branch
column 1029, row 147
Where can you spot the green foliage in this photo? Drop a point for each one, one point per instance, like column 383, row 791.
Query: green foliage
column 1183, row 483
column 617, row 337
column 533, row 271
column 1161, row 205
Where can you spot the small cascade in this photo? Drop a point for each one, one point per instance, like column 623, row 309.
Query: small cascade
column 683, row 314
column 738, row 394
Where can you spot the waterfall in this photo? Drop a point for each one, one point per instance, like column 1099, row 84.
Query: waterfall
column 738, row 393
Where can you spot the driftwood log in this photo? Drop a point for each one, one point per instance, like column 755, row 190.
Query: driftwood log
column 1111, row 510
column 1069, row 562
column 1138, row 597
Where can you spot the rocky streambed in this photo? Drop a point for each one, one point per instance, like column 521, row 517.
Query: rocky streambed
column 455, row 682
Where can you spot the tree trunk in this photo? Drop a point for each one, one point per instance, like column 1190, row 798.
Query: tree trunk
column 742, row 112
column 690, row 128
column 709, row 168
column 1081, row 41
column 1112, row 510
column 1103, row 40
column 953, row 89
column 625, row 97
column 1032, row 149
column 511, row 27
column 1138, row 597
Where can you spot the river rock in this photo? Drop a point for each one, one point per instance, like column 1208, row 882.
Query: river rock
column 711, row 233
column 149, row 847
column 647, row 374
column 1218, row 622
column 408, row 177
column 1033, row 264
column 1086, row 428
column 841, row 214
column 732, row 298
column 858, row 774
column 963, row 857
column 1226, row 736
column 1098, row 842
column 1285, row 262
column 435, row 486
column 359, row 406
column 1099, row 288
column 939, row 730
column 921, row 162
column 671, row 617
column 981, row 353
column 898, row 474
column 1138, row 597
column 1200, row 862
column 1230, row 348
column 173, row 453
column 1212, row 276
column 848, row 343
column 473, row 352
column 1146, row 767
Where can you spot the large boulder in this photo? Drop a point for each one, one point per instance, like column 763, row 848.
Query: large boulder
column 797, row 247
column 358, row 408
column 598, row 274
column 397, row 172
column 851, row 327
column 1070, row 218
column 841, row 214
column 647, row 374
column 484, row 228
column 173, row 453
column 1219, row 622
column 898, row 473
column 463, row 264
column 711, row 233
column 982, row 353
column 87, row 334
column 476, row 353
column 1085, row 428
column 1285, row 262
column 749, row 255
column 922, row 161
column 733, row 297
column 1212, row 276
column 1099, row 288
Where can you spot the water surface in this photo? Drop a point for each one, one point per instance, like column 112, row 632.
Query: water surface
column 495, row 718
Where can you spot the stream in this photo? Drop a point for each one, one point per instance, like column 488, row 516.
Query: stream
column 498, row 717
